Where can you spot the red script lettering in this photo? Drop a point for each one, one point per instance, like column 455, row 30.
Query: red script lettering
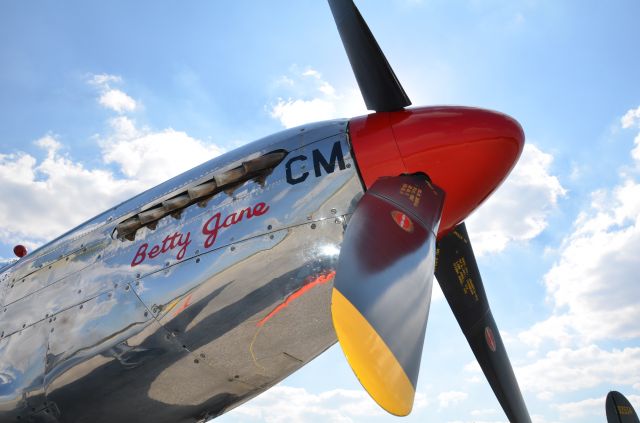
column 213, row 225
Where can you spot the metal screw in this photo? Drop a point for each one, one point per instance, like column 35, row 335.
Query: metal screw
column 313, row 226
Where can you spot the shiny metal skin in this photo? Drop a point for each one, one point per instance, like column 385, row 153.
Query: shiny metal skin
column 202, row 310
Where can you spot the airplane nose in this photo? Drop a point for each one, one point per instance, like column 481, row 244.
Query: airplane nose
column 468, row 152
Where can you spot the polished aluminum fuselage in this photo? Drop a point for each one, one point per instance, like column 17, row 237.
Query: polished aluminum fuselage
column 211, row 307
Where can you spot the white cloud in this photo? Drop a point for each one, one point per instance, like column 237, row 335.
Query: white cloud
column 484, row 412
column 286, row 404
column 580, row 409
column 631, row 118
column 446, row 399
column 537, row 418
column 297, row 112
column 476, row 421
column 117, row 100
column 593, row 290
column 319, row 101
column 103, row 79
column 153, row 156
column 589, row 407
column 593, row 286
column 571, row 370
column 472, row 367
column 112, row 98
column 43, row 198
column 519, row 209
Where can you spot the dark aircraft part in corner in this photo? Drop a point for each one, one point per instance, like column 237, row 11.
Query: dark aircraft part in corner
column 619, row 409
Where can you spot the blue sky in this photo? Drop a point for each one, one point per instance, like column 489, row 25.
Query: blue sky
column 100, row 101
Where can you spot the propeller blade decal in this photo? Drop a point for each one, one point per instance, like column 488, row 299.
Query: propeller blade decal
column 382, row 291
column 619, row 409
column 378, row 83
column 458, row 275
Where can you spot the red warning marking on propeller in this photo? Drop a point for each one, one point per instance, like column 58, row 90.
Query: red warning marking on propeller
column 491, row 340
column 402, row 220
column 322, row 279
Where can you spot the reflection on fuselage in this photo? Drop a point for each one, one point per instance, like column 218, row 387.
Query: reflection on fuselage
column 199, row 312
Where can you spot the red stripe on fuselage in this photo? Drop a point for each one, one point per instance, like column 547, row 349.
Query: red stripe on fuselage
column 322, row 279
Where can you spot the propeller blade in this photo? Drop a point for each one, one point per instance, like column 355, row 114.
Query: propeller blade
column 458, row 275
column 382, row 289
column 619, row 409
column 378, row 83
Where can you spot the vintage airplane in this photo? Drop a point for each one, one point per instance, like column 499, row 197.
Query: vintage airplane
column 619, row 409
column 197, row 295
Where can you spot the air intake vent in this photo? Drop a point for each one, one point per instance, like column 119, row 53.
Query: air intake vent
column 257, row 168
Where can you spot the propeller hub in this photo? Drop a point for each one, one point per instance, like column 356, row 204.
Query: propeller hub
column 466, row 151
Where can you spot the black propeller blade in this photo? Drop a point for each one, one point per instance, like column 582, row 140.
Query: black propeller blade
column 382, row 289
column 378, row 84
column 458, row 275
column 619, row 409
